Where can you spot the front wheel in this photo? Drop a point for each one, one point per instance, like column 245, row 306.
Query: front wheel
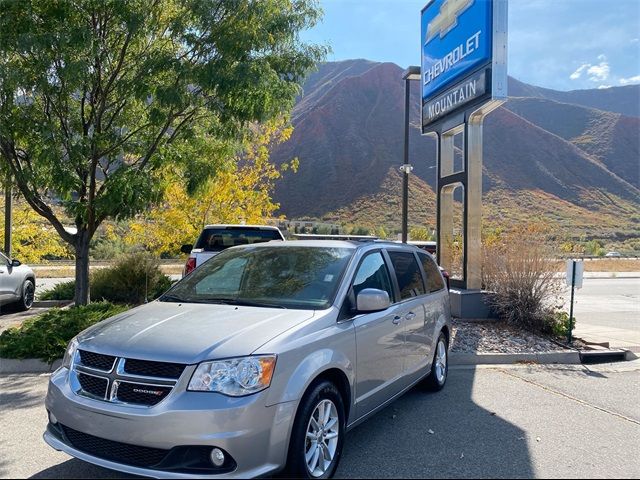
column 28, row 295
column 439, row 366
column 318, row 433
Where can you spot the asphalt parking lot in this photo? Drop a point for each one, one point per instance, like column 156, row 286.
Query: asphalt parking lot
column 521, row 421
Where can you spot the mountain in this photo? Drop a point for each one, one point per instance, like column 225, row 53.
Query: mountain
column 624, row 100
column 548, row 154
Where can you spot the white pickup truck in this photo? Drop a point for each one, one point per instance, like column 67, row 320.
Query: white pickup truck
column 216, row 238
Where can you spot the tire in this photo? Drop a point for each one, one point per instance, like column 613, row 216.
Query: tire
column 28, row 295
column 323, row 396
column 439, row 369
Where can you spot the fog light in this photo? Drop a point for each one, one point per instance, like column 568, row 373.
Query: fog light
column 52, row 418
column 217, row 457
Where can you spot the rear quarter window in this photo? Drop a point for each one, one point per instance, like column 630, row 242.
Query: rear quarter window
column 407, row 273
column 434, row 279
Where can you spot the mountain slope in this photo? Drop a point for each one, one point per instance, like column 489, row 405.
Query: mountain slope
column 611, row 138
column 349, row 138
column 624, row 100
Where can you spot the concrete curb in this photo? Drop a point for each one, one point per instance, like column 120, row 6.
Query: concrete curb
column 572, row 358
column 28, row 365
column 51, row 303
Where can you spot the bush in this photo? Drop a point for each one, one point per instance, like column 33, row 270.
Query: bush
column 131, row 280
column 46, row 336
column 61, row 291
column 557, row 324
column 521, row 273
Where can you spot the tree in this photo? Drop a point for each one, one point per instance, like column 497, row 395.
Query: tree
column 241, row 191
column 97, row 97
column 33, row 239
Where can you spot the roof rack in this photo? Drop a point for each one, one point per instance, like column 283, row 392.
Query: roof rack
column 317, row 236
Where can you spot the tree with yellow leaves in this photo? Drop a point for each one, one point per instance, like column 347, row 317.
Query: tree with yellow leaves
column 239, row 192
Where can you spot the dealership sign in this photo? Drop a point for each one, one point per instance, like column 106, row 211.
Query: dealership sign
column 463, row 56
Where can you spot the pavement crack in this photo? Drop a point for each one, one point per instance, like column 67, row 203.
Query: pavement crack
column 570, row 397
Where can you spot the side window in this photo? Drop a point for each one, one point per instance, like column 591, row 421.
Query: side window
column 373, row 273
column 434, row 279
column 408, row 273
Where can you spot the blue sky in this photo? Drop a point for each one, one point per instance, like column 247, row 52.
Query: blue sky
column 560, row 44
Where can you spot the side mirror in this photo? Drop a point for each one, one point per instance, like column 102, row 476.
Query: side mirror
column 15, row 263
column 186, row 249
column 372, row 300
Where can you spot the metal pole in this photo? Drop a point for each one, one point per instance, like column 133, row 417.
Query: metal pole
column 7, row 217
column 573, row 282
column 405, row 178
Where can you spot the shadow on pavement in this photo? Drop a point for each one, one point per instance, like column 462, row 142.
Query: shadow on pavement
column 17, row 393
column 468, row 441
column 78, row 469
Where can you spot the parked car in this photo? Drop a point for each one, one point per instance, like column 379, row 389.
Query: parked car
column 215, row 238
column 17, row 284
column 259, row 360
column 613, row 254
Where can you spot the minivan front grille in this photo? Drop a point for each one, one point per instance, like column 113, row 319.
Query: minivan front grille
column 124, row 380
column 96, row 386
column 148, row 368
column 141, row 394
column 97, row 361
column 115, row 451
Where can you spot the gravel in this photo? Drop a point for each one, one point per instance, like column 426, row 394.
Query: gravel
column 493, row 336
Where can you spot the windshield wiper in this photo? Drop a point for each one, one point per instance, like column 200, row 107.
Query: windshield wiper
column 245, row 303
column 171, row 298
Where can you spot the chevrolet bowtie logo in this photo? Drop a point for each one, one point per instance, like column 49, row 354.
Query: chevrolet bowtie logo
column 447, row 18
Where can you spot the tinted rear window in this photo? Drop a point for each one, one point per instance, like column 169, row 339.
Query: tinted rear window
column 431, row 270
column 408, row 274
column 217, row 239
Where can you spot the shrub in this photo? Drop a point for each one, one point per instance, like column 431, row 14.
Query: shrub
column 46, row 336
column 131, row 280
column 521, row 273
column 557, row 324
column 61, row 291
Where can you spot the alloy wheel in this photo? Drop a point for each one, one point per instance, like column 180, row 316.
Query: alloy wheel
column 322, row 436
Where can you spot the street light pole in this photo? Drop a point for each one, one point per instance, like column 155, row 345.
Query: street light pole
column 411, row 73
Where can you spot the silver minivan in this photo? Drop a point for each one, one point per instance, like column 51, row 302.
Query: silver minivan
column 258, row 361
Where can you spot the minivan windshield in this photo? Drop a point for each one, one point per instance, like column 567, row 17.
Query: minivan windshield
column 280, row 277
column 221, row 238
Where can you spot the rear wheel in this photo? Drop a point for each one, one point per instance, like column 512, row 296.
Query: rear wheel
column 28, row 295
column 318, row 433
column 439, row 366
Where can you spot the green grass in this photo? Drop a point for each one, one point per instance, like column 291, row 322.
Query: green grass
column 46, row 336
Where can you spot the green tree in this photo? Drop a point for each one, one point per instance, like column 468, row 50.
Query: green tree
column 97, row 97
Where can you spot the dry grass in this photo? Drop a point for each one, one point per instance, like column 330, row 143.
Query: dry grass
column 607, row 265
column 64, row 271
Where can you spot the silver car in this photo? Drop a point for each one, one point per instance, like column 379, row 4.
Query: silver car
column 258, row 361
column 17, row 284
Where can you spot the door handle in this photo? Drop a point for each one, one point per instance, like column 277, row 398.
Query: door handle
column 396, row 320
column 410, row 316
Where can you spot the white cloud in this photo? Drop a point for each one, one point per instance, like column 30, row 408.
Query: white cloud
column 600, row 72
column 630, row 80
column 578, row 73
column 596, row 73
column 602, row 87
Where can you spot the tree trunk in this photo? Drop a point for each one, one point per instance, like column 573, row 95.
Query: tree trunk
column 82, row 268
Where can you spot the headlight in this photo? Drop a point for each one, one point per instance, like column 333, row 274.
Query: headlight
column 69, row 353
column 234, row 377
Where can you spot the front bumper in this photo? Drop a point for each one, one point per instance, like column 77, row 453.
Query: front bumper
column 255, row 436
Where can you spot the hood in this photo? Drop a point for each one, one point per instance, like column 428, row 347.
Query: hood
column 189, row 332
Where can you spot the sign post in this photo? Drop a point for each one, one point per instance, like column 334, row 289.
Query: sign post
column 575, row 273
column 464, row 77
